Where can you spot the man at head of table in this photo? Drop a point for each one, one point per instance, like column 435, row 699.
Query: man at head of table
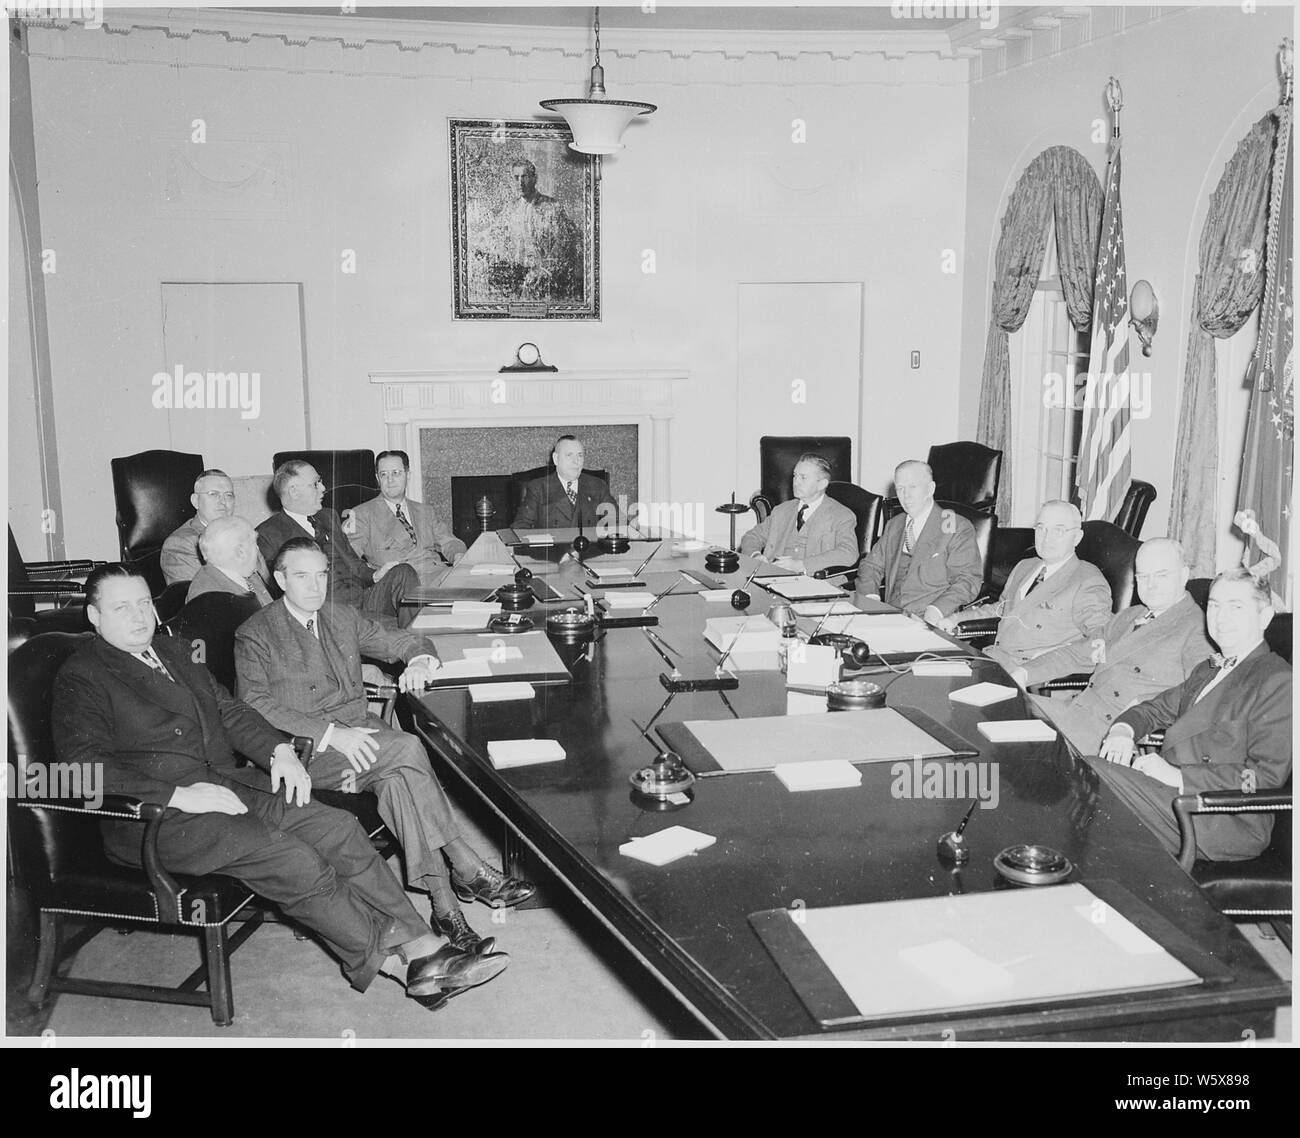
column 567, row 496
column 810, row 532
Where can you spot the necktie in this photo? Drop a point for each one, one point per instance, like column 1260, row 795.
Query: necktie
column 798, row 522
column 1145, row 618
column 322, row 533
column 406, row 525
column 572, row 493
column 258, row 589
column 156, row 664
column 909, row 537
column 311, row 627
column 1039, row 578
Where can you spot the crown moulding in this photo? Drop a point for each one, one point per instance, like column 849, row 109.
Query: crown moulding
column 249, row 41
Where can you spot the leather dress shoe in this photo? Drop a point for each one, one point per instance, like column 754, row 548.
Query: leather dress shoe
column 493, row 887
column 449, row 970
column 456, row 929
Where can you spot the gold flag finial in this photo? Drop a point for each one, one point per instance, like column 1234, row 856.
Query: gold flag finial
column 1115, row 97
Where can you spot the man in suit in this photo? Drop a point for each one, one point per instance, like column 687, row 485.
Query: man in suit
column 352, row 581
column 230, row 562
column 390, row 527
column 810, row 532
column 567, row 497
column 162, row 730
column 299, row 665
column 1141, row 652
column 213, row 498
column 1227, row 727
column 1050, row 600
column 927, row 558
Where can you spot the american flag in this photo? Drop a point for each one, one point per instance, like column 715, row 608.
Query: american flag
column 1103, row 471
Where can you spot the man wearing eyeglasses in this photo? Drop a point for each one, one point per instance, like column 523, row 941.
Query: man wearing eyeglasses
column 213, row 498
column 1050, row 600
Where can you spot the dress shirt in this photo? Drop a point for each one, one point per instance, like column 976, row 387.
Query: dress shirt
column 1043, row 575
column 304, row 521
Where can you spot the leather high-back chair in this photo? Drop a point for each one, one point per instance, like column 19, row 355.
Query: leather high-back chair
column 1010, row 546
column 520, row 478
column 777, row 455
column 466, row 492
column 1133, row 510
column 58, row 581
column 985, row 525
column 152, row 491
column 865, row 506
column 210, row 620
column 968, row 473
column 349, row 475
column 1114, row 552
column 58, row 855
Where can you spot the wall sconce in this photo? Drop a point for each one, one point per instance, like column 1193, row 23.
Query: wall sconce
column 1144, row 313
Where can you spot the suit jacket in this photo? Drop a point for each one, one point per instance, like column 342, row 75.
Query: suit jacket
column 545, row 504
column 832, row 534
column 210, row 579
column 381, row 538
column 153, row 735
column 350, row 577
column 1132, row 664
column 1243, row 725
column 181, row 559
column 301, row 684
column 1073, row 603
column 946, row 569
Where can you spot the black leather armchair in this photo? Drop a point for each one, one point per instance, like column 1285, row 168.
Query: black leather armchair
column 968, row 473
column 777, row 455
column 1133, row 510
column 59, row 857
column 349, row 475
column 58, row 581
column 152, row 491
column 866, row 508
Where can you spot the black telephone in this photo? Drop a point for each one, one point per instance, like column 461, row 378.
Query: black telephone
column 850, row 647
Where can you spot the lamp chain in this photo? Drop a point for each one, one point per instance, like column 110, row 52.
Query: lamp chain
column 597, row 37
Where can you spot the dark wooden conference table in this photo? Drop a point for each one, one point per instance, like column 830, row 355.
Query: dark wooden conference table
column 687, row 922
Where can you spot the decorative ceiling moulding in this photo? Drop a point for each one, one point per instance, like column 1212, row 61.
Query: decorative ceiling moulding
column 354, row 45
column 1040, row 33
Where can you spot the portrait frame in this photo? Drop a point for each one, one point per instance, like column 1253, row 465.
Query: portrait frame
column 518, row 255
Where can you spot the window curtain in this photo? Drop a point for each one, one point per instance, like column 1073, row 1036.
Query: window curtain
column 1059, row 185
column 1229, row 285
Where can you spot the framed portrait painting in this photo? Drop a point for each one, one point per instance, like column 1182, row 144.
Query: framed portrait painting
column 525, row 222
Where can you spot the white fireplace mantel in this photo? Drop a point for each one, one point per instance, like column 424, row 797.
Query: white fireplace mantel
column 416, row 400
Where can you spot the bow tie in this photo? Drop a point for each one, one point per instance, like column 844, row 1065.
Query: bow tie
column 1218, row 661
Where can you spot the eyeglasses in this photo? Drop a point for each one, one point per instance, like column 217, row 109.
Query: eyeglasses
column 1053, row 531
column 219, row 495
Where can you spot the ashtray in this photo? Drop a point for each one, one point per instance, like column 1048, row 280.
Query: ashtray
column 614, row 543
column 510, row 624
column 570, row 624
column 1033, row 865
column 854, row 695
column 722, row 561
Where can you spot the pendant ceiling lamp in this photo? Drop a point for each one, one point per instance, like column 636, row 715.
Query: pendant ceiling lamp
column 597, row 123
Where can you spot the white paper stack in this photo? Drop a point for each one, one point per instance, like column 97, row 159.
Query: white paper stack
column 981, row 695
column 940, row 668
column 447, row 620
column 497, row 693
column 800, row 587
column 812, row 666
column 631, row 599
column 757, row 633
column 716, row 595
column 539, row 539
column 821, row 608
column 667, row 845
column 506, row 753
column 611, row 571
column 828, row 774
column 1017, row 731
column 489, row 569
column 466, row 608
